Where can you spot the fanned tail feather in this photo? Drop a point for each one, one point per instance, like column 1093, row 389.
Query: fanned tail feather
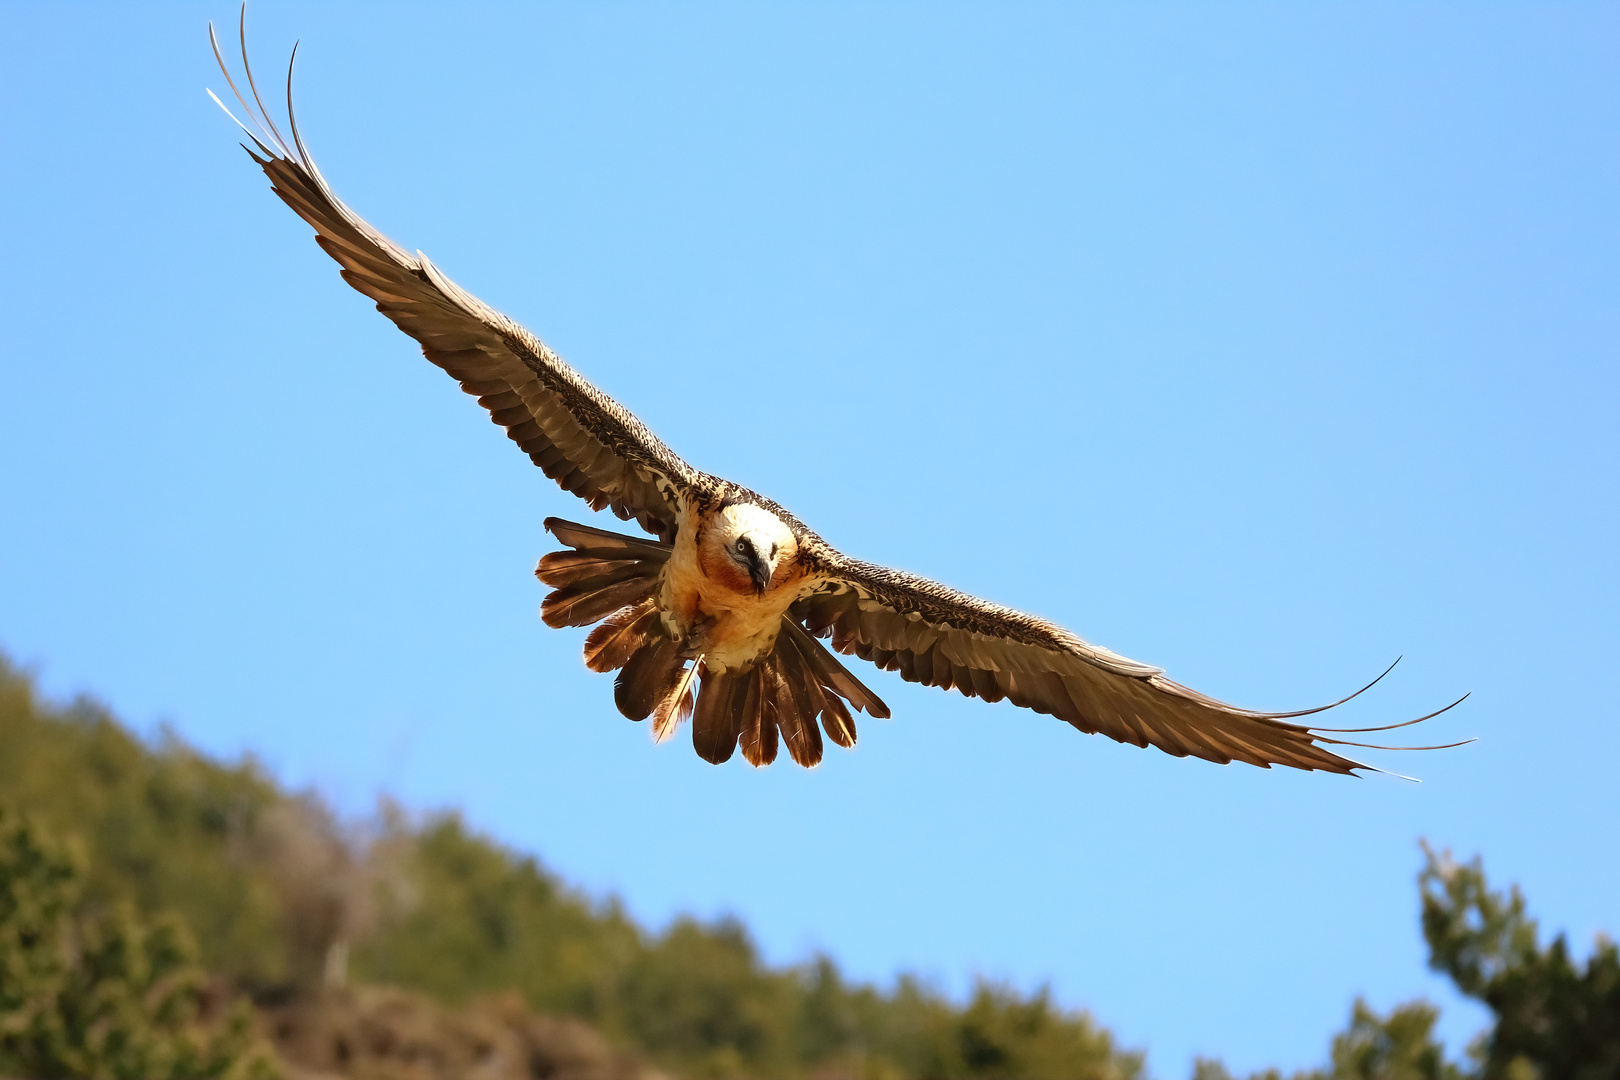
column 839, row 724
column 648, row 676
column 758, row 718
column 610, row 579
column 594, row 600
column 563, row 568
column 831, row 674
column 717, row 718
column 795, row 709
column 610, row 646
column 605, row 573
column 593, row 583
column 776, row 702
column 814, row 698
column 590, row 537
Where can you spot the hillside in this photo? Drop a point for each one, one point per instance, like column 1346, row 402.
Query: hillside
column 163, row 914
column 421, row 941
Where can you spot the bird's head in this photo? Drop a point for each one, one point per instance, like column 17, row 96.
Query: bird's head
column 748, row 547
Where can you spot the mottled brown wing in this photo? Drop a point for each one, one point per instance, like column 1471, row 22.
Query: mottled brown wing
column 937, row 636
column 590, row 444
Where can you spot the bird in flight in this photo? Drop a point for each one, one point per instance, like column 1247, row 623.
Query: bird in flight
column 724, row 614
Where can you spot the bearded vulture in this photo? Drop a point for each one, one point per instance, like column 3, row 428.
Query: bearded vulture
column 720, row 616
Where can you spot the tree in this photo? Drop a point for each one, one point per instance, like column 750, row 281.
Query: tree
column 1554, row 1021
column 1003, row 1034
column 1400, row 1046
column 100, row 993
column 163, row 827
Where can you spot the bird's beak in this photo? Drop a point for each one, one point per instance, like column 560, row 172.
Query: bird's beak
column 760, row 571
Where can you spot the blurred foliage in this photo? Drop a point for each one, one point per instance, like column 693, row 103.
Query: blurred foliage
column 98, row 992
column 467, row 917
column 386, row 1033
column 163, row 827
column 460, row 916
column 1554, row 1021
column 289, row 904
column 1400, row 1046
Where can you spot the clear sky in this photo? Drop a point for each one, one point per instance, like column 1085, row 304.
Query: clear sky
column 1262, row 342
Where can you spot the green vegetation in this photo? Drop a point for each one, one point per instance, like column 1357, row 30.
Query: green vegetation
column 289, row 907
column 162, row 826
column 1553, row 1021
column 420, row 949
column 1398, row 1047
column 100, row 993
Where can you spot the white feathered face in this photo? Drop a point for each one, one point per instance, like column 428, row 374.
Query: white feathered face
column 749, row 548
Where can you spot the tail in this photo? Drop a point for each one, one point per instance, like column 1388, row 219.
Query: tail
column 611, row 580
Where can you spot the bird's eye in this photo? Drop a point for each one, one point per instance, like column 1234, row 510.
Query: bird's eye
column 774, row 549
column 743, row 546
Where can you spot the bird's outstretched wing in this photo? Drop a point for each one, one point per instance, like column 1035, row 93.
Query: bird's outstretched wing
column 934, row 635
column 583, row 439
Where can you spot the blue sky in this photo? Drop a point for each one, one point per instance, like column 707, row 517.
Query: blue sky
column 1262, row 342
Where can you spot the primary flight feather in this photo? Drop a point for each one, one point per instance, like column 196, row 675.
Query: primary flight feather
column 720, row 618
